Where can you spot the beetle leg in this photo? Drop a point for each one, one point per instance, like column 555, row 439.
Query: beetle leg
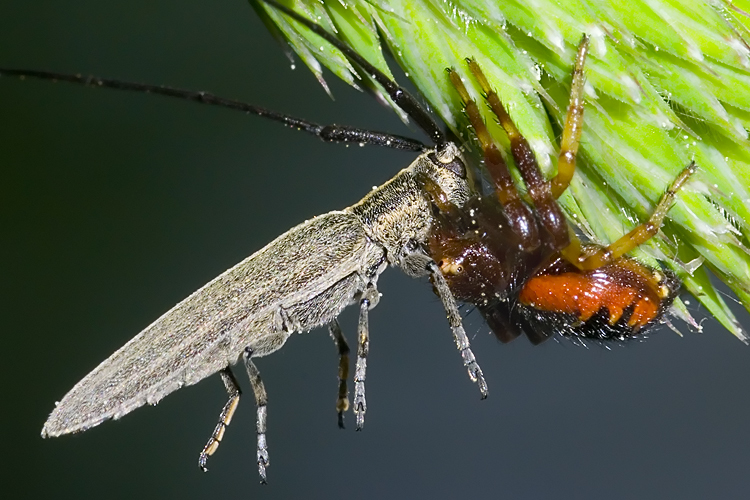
column 459, row 335
column 233, row 389
column 639, row 235
column 342, row 402
column 261, row 400
column 369, row 298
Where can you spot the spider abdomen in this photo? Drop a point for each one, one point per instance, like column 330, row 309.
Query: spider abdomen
column 617, row 301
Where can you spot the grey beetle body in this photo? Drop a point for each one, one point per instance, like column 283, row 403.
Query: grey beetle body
column 301, row 280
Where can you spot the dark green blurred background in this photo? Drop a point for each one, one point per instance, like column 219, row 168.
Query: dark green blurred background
column 115, row 206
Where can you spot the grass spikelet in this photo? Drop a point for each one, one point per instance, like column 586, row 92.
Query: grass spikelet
column 668, row 82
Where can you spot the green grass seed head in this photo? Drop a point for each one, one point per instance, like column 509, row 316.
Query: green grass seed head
column 668, row 82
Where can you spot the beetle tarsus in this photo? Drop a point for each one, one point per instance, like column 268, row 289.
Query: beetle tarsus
column 225, row 417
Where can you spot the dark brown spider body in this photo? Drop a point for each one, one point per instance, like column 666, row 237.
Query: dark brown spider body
column 521, row 265
column 484, row 262
column 480, row 254
column 538, row 292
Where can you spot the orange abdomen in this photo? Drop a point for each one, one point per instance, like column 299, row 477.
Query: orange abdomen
column 624, row 293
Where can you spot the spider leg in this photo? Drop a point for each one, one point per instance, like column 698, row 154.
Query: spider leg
column 547, row 210
column 640, row 234
column 571, row 136
column 438, row 197
column 519, row 214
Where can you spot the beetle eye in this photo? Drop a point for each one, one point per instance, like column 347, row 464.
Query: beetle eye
column 456, row 165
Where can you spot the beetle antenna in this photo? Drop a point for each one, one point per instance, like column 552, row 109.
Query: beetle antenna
column 398, row 94
column 329, row 133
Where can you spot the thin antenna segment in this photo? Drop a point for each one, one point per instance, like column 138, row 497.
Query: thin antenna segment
column 398, row 94
column 328, row 133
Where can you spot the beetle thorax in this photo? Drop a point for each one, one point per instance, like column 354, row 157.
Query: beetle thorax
column 400, row 212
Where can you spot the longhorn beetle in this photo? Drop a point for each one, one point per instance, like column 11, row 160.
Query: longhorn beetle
column 252, row 309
